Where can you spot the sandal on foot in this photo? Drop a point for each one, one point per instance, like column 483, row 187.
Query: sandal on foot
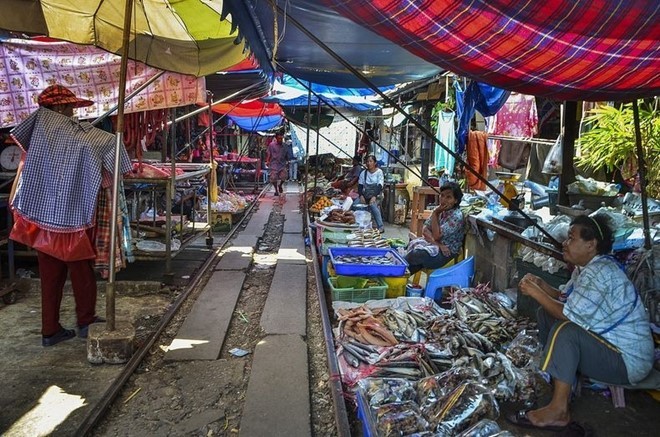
column 83, row 330
column 59, row 336
column 520, row 419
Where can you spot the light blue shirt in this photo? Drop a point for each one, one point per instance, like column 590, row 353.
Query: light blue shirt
column 605, row 302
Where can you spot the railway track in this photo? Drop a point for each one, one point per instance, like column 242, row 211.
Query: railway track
column 197, row 282
column 194, row 398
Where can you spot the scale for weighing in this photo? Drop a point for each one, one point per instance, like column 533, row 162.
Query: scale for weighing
column 510, row 191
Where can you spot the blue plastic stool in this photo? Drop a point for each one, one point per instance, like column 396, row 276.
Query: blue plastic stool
column 458, row 275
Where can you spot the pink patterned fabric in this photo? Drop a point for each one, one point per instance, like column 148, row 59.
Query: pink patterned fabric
column 90, row 73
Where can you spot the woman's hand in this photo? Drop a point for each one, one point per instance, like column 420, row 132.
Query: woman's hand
column 444, row 249
column 362, row 200
column 531, row 285
column 428, row 235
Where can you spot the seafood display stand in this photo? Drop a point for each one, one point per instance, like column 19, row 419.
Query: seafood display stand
column 192, row 173
column 408, row 365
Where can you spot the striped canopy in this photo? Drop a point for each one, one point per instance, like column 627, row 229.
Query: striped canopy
column 593, row 50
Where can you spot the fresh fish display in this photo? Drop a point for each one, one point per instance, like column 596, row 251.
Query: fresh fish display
column 367, row 260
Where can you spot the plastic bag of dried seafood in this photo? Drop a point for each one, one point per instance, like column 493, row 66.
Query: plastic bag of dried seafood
column 399, row 419
column 431, row 390
column 381, row 391
column 485, row 428
column 525, row 349
column 466, row 405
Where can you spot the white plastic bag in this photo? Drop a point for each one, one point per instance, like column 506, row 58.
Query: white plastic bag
column 552, row 163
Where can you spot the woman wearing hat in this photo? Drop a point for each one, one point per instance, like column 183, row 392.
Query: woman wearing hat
column 55, row 203
column 595, row 325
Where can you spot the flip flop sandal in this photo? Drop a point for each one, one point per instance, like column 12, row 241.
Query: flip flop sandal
column 520, row 419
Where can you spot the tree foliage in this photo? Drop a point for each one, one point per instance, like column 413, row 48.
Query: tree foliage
column 610, row 143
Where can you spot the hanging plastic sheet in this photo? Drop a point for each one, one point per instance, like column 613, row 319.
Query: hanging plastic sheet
column 480, row 97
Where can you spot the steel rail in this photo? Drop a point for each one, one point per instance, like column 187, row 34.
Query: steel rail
column 334, row 378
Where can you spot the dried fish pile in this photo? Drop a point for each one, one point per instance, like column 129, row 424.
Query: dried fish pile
column 485, row 315
column 361, row 325
column 456, row 358
column 367, row 238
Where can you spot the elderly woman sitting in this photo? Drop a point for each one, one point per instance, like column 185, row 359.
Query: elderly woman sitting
column 596, row 325
column 443, row 233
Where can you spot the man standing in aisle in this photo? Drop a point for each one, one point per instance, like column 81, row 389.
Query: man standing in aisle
column 55, row 204
column 277, row 161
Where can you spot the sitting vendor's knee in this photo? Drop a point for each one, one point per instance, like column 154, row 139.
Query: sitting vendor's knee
column 565, row 331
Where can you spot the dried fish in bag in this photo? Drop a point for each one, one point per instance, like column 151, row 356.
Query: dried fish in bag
column 463, row 407
column 483, row 428
column 399, row 419
column 431, row 390
column 381, row 391
column 525, row 349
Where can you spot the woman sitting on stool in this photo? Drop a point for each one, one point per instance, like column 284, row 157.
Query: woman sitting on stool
column 596, row 325
column 443, row 233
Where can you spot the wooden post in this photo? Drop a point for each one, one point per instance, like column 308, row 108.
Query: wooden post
column 568, row 151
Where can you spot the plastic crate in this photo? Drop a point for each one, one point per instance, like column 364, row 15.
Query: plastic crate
column 364, row 415
column 397, row 269
column 357, row 295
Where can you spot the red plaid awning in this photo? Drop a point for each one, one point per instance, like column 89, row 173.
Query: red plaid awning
column 594, row 50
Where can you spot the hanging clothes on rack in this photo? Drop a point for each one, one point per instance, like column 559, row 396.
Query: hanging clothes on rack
column 477, row 158
column 477, row 97
column 446, row 133
column 517, row 118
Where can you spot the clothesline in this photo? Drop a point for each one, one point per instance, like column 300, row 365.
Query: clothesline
column 523, row 139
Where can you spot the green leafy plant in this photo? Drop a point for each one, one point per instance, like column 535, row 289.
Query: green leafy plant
column 440, row 106
column 610, row 143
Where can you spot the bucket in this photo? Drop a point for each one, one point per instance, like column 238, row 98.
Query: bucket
column 414, row 290
column 396, row 286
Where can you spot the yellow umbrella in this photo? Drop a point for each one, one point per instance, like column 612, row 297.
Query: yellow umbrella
column 184, row 36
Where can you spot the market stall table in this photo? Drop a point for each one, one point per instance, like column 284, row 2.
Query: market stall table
column 191, row 172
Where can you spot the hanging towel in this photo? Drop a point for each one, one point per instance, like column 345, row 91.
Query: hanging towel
column 477, row 158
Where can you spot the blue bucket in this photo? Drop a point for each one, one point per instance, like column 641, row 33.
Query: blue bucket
column 414, row 290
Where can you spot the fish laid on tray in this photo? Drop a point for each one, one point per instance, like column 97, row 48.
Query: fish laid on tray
column 387, row 260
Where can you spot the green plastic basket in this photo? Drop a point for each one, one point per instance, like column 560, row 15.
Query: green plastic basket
column 358, row 295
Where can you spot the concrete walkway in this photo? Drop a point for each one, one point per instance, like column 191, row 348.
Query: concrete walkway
column 203, row 332
column 277, row 399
